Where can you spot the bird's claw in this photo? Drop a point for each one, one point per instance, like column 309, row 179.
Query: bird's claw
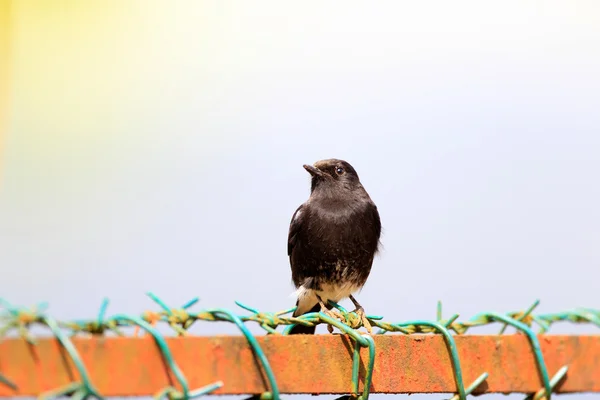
column 335, row 314
column 365, row 321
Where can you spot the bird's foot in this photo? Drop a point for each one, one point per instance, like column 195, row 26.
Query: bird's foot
column 361, row 314
column 335, row 314
column 365, row 321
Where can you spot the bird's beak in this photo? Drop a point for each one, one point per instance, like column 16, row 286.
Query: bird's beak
column 313, row 171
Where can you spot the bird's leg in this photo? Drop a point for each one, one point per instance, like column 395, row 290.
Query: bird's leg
column 360, row 311
column 331, row 313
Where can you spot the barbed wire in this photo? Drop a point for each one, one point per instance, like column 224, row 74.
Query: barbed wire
column 180, row 319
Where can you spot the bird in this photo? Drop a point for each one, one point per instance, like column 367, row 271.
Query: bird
column 332, row 241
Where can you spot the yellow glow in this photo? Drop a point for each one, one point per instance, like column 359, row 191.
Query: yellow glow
column 5, row 63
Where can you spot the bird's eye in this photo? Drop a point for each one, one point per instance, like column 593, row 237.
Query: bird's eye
column 339, row 170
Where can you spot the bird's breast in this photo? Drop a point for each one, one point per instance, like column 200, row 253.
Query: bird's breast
column 342, row 234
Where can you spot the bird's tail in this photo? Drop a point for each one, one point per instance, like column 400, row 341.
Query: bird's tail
column 303, row 329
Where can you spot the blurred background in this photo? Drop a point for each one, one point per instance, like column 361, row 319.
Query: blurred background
column 158, row 146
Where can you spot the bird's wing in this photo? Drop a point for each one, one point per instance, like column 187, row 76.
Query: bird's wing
column 376, row 226
column 295, row 225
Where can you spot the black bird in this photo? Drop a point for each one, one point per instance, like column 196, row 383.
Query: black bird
column 332, row 241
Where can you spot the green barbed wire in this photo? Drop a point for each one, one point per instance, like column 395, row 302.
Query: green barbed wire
column 180, row 319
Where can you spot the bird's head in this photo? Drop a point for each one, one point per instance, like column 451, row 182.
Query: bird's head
column 333, row 173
